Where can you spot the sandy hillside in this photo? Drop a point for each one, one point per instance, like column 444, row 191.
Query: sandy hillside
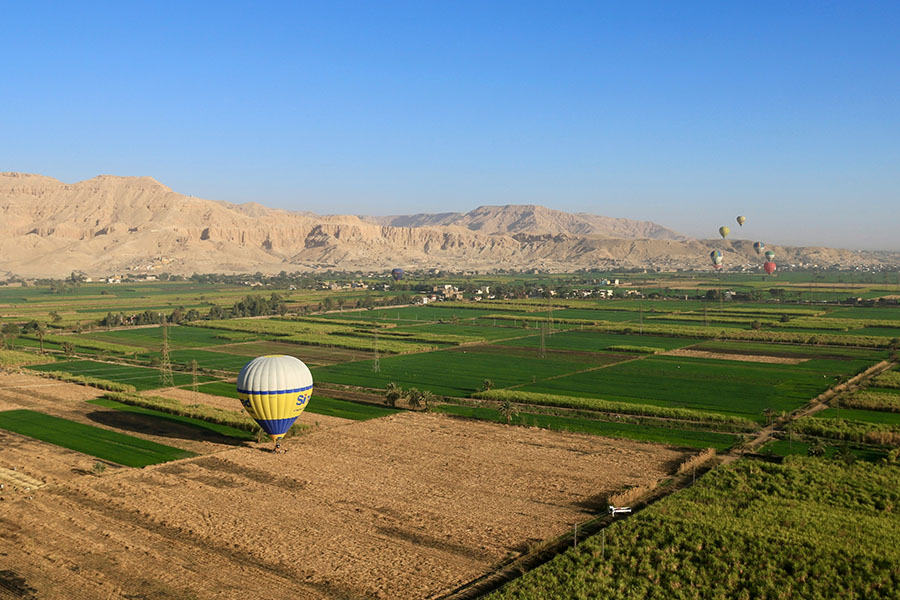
column 107, row 225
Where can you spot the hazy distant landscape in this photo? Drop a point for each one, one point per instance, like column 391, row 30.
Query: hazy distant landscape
column 113, row 225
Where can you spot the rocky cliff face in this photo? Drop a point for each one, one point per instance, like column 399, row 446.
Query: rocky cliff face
column 112, row 224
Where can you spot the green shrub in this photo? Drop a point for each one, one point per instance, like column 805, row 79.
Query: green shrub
column 607, row 406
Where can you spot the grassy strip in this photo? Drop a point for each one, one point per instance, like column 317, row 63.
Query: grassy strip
column 109, row 445
column 348, row 321
column 142, row 378
column 873, row 401
column 425, row 336
column 353, row 342
column 891, row 379
column 14, row 358
column 636, row 349
column 624, row 408
column 792, row 337
column 103, row 384
column 345, row 409
column 85, row 342
column 642, row 433
column 850, row 431
column 742, row 320
column 226, row 430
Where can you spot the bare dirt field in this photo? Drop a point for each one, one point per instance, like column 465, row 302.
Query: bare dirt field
column 758, row 358
column 406, row 506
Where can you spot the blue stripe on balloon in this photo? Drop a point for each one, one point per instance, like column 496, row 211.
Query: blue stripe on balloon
column 270, row 393
column 276, row 426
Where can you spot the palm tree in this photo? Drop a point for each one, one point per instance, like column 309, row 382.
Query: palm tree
column 427, row 397
column 41, row 331
column 487, row 384
column 392, row 393
column 508, row 410
column 414, row 398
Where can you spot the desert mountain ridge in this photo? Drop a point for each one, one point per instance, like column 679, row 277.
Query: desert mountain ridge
column 111, row 224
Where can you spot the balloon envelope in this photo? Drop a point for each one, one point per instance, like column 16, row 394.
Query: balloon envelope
column 759, row 247
column 397, row 274
column 769, row 267
column 770, row 255
column 741, row 220
column 724, row 231
column 716, row 257
column 274, row 391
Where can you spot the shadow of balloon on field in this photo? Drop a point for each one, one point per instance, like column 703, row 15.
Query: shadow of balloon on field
column 161, row 426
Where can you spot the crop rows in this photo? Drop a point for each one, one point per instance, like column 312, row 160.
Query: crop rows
column 625, row 408
column 806, row 529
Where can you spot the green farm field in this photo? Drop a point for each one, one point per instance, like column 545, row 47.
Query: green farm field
column 206, row 359
column 461, row 371
column 108, row 445
column 593, row 341
column 151, row 337
column 790, row 350
column 730, row 387
column 855, row 414
column 311, row 355
column 142, row 378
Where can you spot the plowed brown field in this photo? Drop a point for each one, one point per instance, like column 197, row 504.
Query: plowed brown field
column 407, row 506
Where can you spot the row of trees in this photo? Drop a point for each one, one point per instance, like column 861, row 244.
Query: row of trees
column 414, row 397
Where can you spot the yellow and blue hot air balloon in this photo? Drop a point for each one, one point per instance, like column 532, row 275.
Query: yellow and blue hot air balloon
column 274, row 391
column 741, row 220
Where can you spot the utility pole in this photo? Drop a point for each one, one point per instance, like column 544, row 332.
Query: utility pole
column 376, row 365
column 194, row 381
column 543, row 344
column 166, row 379
column 642, row 317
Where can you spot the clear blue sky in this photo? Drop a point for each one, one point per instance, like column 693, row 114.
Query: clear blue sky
column 685, row 113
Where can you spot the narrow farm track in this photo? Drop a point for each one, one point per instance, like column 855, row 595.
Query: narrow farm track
column 817, row 404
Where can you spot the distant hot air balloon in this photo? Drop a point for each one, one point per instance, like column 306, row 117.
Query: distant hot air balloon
column 770, row 255
column 716, row 257
column 724, row 231
column 274, row 391
column 759, row 247
column 741, row 220
column 397, row 274
column 769, row 267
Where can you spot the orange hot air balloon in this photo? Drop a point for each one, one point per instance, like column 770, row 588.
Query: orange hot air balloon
column 769, row 267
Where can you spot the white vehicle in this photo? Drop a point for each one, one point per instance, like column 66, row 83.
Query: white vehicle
column 619, row 510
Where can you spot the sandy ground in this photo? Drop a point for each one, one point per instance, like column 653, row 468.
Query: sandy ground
column 758, row 358
column 407, row 506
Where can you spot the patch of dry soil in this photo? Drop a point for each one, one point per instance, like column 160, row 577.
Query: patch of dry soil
column 407, row 506
column 758, row 358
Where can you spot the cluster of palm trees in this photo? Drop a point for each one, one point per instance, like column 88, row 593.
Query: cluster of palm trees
column 415, row 398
